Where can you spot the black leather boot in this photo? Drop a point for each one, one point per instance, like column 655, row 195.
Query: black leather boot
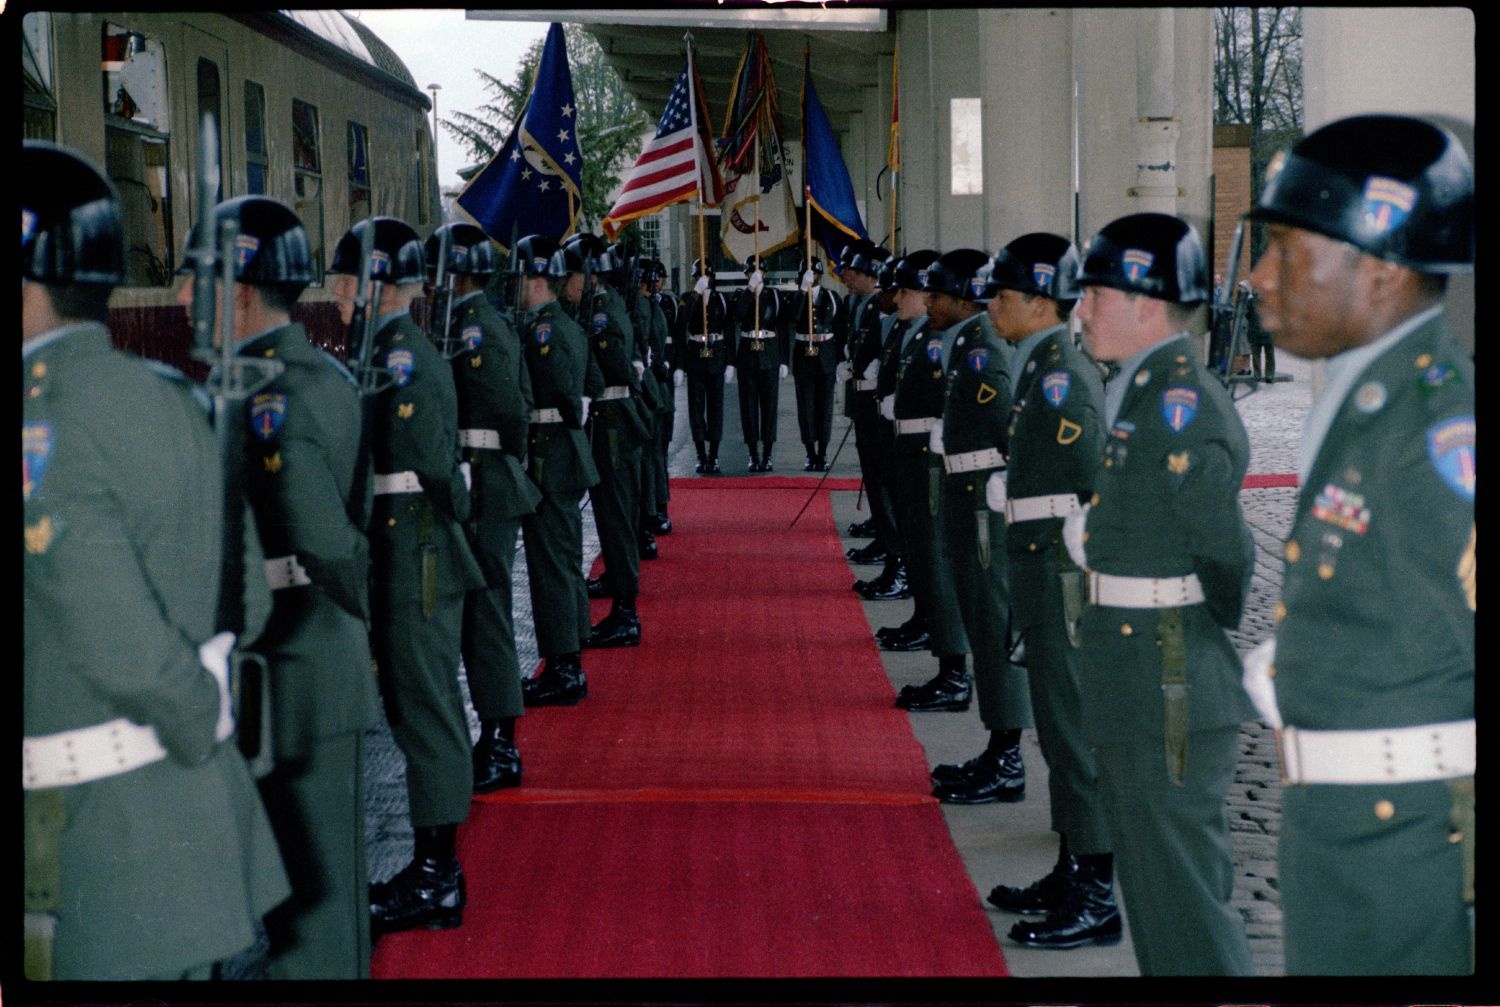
column 428, row 892
column 1087, row 913
column 949, row 691
column 1040, row 897
column 820, row 457
column 561, row 683
column 497, row 760
column 753, row 465
column 647, row 547
column 661, row 525
column 621, row 628
column 872, row 552
column 916, row 623
column 998, row 774
column 807, row 466
column 713, row 457
column 891, row 585
column 765, row 459
column 702, row 465
column 1000, row 742
column 596, row 587
column 862, row 529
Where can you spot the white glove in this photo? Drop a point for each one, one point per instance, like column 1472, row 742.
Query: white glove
column 640, row 367
column 678, row 378
column 935, row 438
column 757, row 281
column 468, row 474
column 872, row 371
column 888, row 407
column 994, row 492
column 843, row 372
column 781, row 371
column 808, row 279
column 701, row 287
column 1073, row 528
column 586, row 403
column 729, row 375
column 1258, row 684
column 214, row 656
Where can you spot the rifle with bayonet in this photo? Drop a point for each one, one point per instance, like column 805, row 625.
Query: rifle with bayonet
column 440, row 315
column 231, row 381
column 1230, row 310
column 369, row 378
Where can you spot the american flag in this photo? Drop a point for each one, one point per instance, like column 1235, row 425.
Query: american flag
column 678, row 162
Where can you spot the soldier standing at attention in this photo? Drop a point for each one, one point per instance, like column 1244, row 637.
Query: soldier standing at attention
column 972, row 439
column 422, row 568
column 704, row 358
column 1056, row 435
column 663, row 341
column 626, row 275
column 302, row 449
column 814, row 360
column 494, row 417
column 1374, row 644
column 616, row 432
column 761, row 346
column 148, row 854
column 1168, row 559
column 558, row 459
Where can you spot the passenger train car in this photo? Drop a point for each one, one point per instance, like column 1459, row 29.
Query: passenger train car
column 314, row 110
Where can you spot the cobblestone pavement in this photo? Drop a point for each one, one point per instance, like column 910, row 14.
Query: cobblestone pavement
column 1273, row 416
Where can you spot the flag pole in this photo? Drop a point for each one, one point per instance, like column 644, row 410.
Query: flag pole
column 895, row 140
column 698, row 160
column 755, row 166
column 807, row 187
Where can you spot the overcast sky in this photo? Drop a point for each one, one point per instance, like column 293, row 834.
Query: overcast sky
column 442, row 47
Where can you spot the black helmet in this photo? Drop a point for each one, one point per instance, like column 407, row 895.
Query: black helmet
column 753, row 263
column 954, row 274
column 272, row 249
column 817, row 265
column 70, row 220
column 865, row 257
column 911, row 268
column 1392, row 186
column 589, row 253
column 399, row 257
column 699, row 268
column 1037, row 263
column 1154, row 254
column 535, row 252
column 653, row 271
column 470, row 252
column 886, row 278
column 619, row 259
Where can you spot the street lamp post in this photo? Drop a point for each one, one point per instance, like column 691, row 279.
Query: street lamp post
column 435, row 88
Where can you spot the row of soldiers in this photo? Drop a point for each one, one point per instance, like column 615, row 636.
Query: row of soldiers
column 381, row 510
column 1085, row 542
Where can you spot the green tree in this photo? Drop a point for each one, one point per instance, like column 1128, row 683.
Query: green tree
column 609, row 120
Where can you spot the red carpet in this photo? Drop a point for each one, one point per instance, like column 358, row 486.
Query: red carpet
column 737, row 797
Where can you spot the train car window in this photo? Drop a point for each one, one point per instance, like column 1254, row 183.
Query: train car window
column 208, row 104
column 136, row 130
column 256, row 160
column 305, row 148
column 38, row 103
column 307, row 179
column 359, row 171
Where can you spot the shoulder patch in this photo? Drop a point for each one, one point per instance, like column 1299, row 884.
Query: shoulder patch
column 1055, row 386
column 473, row 337
column 401, row 364
column 542, row 333
column 1450, row 447
column 600, row 321
column 979, row 358
column 935, row 350
column 267, row 415
column 1178, row 407
column 37, row 440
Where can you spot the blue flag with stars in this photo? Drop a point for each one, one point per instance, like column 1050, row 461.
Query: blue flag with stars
column 535, row 183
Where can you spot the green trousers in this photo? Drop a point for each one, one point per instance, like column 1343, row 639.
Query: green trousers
column 927, row 572
column 489, row 635
column 553, row 537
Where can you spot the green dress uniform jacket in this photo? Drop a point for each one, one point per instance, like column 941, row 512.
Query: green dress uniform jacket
column 422, row 567
column 872, row 437
column 302, row 442
column 619, row 427
column 560, row 464
column 1162, row 695
column 1376, row 630
column 976, row 415
column 654, row 480
column 917, row 478
column 494, row 417
column 1056, row 435
column 165, row 868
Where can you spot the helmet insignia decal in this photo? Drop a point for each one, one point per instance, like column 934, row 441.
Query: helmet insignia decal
column 976, row 286
column 1042, row 273
column 539, row 264
column 1178, row 407
column 459, row 253
column 1387, row 203
column 245, row 247
column 921, row 278
column 400, row 363
column 28, row 224
column 1136, row 262
column 380, row 263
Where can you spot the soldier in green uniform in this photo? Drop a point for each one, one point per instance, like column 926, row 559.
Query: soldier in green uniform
column 627, row 274
column 812, row 314
column 1055, row 438
column 1167, row 558
column 421, row 570
column 148, row 854
column 494, row 417
column 915, row 405
column 306, row 485
column 663, row 328
column 760, row 352
column 972, row 438
column 618, row 426
column 1374, row 648
column 703, row 355
column 559, row 462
